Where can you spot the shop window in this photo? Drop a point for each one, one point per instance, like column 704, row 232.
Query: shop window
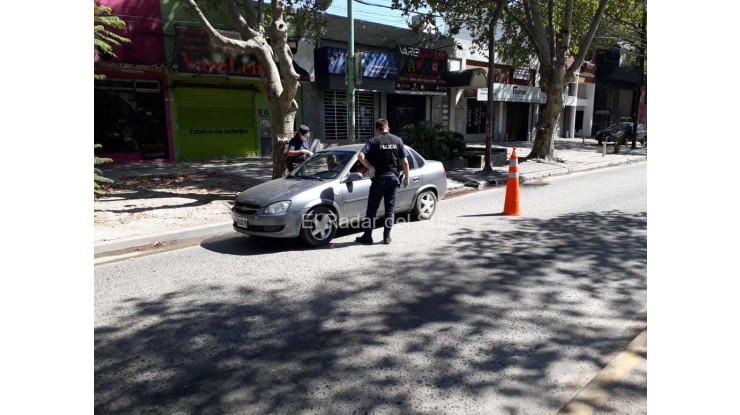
column 522, row 73
column 335, row 116
column 130, row 117
column 405, row 110
column 476, row 117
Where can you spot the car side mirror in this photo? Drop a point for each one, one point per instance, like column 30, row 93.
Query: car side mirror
column 352, row 177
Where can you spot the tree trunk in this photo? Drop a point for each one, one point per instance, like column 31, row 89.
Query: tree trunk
column 281, row 120
column 544, row 143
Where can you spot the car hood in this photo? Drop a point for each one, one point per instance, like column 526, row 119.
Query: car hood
column 277, row 190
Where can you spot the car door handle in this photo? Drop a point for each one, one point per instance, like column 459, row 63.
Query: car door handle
column 416, row 179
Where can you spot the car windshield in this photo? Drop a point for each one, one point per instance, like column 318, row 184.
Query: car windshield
column 324, row 165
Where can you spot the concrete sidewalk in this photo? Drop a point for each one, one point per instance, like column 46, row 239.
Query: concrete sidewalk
column 119, row 236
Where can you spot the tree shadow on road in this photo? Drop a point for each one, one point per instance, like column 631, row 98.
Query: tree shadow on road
column 477, row 322
column 250, row 245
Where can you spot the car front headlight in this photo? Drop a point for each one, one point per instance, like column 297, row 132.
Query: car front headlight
column 279, row 208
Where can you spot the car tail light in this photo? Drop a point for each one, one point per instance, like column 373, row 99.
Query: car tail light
column 445, row 170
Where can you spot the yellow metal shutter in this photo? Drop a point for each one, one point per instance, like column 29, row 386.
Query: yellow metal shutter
column 215, row 122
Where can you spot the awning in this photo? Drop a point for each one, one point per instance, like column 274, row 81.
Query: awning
column 468, row 78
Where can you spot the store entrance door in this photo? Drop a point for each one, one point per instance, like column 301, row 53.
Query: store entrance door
column 130, row 120
column 517, row 117
column 405, row 110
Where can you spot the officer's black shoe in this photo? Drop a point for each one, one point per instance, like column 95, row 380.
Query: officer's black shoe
column 387, row 240
column 364, row 239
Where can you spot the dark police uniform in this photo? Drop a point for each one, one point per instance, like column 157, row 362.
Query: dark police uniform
column 384, row 152
column 297, row 144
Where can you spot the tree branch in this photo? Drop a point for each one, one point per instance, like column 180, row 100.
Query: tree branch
column 251, row 15
column 629, row 25
column 586, row 40
column 499, row 9
column 244, row 28
column 567, row 27
column 246, row 45
column 284, row 57
column 534, row 18
column 551, row 30
column 261, row 6
column 526, row 26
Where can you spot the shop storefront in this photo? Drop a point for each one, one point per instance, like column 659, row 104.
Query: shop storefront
column 130, row 117
column 131, row 102
column 220, row 108
column 421, row 78
column 516, row 110
column 379, row 72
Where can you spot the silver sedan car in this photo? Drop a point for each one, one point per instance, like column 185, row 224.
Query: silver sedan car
column 330, row 190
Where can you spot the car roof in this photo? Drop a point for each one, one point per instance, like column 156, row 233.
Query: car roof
column 353, row 148
column 347, row 147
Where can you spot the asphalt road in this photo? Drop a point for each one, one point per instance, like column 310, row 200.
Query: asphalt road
column 471, row 312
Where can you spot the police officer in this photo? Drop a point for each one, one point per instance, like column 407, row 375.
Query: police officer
column 386, row 155
column 298, row 148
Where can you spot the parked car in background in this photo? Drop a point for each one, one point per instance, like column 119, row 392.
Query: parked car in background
column 330, row 189
column 622, row 132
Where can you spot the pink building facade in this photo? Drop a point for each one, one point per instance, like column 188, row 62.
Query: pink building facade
column 132, row 114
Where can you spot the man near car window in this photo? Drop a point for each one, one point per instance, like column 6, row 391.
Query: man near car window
column 386, row 155
column 298, row 148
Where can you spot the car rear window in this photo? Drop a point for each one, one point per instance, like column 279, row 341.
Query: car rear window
column 417, row 160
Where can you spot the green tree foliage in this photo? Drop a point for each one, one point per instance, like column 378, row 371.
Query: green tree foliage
column 98, row 177
column 434, row 141
column 105, row 39
column 554, row 35
column 622, row 27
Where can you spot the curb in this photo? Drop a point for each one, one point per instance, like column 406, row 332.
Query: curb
column 558, row 171
column 126, row 245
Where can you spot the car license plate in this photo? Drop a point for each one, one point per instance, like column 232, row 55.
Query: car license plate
column 242, row 223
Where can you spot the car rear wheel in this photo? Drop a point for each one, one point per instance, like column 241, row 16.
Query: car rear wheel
column 426, row 205
column 319, row 226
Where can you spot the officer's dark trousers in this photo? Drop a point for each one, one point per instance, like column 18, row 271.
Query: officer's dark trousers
column 382, row 187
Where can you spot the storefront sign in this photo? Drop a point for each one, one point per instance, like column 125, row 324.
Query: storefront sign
column 331, row 60
column 513, row 93
column 211, row 131
column 422, row 65
column 195, row 53
column 131, row 67
column 420, row 87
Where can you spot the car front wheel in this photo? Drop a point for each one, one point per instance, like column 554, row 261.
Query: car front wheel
column 319, row 226
column 426, row 205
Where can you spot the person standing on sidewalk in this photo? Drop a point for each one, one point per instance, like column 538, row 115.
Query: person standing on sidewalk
column 298, row 148
column 384, row 154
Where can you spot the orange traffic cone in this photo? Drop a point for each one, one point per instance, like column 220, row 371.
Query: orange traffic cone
column 511, row 204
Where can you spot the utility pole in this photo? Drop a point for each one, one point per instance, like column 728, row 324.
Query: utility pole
column 490, row 113
column 641, row 65
column 351, row 75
